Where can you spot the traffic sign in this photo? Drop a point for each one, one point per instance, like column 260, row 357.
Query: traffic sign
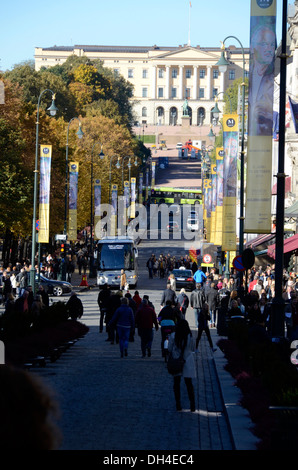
column 248, row 258
column 207, row 259
column 238, row 264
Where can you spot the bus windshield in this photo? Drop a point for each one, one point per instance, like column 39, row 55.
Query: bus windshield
column 115, row 256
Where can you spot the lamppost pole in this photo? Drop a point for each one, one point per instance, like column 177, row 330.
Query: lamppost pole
column 127, row 156
column 53, row 111
column 101, row 156
column 80, row 135
column 277, row 302
column 110, row 174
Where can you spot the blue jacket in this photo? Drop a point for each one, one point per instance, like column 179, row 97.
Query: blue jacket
column 123, row 317
column 199, row 276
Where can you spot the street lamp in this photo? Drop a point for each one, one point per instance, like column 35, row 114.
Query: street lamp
column 80, row 134
column 110, row 173
column 129, row 167
column 216, row 111
column 101, row 156
column 211, row 134
column 222, row 65
column 52, row 109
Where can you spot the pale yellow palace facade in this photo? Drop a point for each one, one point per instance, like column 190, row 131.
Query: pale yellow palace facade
column 163, row 77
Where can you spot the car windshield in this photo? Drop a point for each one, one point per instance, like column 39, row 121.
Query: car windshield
column 115, row 256
column 182, row 273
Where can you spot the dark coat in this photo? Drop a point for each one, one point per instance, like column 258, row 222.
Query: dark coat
column 212, row 298
column 168, row 294
column 74, row 307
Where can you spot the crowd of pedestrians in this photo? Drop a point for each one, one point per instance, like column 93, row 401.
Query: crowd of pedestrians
column 162, row 265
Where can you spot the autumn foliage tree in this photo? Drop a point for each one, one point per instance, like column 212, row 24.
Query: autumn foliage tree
column 83, row 89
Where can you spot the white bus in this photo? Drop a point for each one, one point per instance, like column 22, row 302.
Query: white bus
column 114, row 254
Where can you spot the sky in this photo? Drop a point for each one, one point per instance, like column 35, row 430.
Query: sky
column 30, row 24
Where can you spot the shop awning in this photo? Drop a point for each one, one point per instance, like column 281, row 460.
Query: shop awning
column 290, row 244
column 292, row 211
column 259, row 240
column 287, row 186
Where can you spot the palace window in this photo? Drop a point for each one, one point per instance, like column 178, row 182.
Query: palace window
column 232, row 74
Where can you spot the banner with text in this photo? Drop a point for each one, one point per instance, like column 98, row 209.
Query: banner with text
column 213, row 201
column 44, row 193
column 230, row 147
column 73, row 200
column 97, row 203
column 219, row 196
column 260, row 116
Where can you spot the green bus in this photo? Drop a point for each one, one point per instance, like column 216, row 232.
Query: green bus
column 164, row 195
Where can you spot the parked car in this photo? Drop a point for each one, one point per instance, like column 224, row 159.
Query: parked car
column 184, row 278
column 173, row 226
column 179, row 145
column 52, row 286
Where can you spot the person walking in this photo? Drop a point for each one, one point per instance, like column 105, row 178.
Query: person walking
column 124, row 320
column 145, row 321
column 74, row 306
column 168, row 294
column 172, row 281
column 203, row 326
column 112, row 305
column 199, row 276
column 123, row 280
column 183, row 302
column 102, row 300
column 212, row 298
column 181, row 341
column 150, row 265
column 197, row 300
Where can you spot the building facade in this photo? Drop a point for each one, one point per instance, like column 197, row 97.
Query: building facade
column 162, row 77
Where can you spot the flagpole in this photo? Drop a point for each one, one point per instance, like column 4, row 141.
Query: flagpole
column 189, row 24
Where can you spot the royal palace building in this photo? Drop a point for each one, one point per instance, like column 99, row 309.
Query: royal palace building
column 162, row 77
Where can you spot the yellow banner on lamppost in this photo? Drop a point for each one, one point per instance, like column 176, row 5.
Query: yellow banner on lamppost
column 213, row 202
column 207, row 207
column 44, row 193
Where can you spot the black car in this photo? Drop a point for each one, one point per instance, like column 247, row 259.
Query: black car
column 184, row 278
column 53, row 287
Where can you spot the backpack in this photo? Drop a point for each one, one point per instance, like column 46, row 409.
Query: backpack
column 175, row 365
column 181, row 306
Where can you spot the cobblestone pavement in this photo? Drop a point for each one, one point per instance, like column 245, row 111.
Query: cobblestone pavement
column 127, row 404
column 112, row 403
column 108, row 402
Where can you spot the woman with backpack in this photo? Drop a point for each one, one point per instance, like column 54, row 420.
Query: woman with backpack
column 181, row 342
